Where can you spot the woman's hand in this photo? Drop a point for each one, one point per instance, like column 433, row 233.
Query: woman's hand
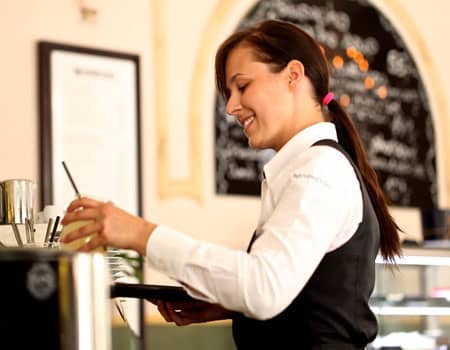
column 188, row 312
column 114, row 227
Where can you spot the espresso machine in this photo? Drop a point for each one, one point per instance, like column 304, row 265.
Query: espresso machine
column 52, row 298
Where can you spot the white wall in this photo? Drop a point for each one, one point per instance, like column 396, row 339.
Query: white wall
column 127, row 26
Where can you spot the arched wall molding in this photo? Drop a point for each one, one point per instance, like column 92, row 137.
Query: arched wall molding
column 167, row 185
column 218, row 20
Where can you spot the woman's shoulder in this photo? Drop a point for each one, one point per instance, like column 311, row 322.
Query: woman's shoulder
column 326, row 162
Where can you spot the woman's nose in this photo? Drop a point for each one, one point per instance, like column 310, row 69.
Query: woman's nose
column 233, row 105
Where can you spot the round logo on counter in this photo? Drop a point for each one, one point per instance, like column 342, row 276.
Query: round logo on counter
column 41, row 281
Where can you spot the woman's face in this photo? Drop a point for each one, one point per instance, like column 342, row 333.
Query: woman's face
column 260, row 100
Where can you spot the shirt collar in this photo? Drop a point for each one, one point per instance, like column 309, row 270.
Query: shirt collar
column 298, row 144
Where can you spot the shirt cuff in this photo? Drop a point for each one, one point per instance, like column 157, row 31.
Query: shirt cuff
column 168, row 249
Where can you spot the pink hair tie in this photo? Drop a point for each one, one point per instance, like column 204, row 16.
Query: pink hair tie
column 328, row 98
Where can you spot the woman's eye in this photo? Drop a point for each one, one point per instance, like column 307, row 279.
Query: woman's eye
column 242, row 87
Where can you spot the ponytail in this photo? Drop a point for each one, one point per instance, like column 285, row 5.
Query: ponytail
column 350, row 140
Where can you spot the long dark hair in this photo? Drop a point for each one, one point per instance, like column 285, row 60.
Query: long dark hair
column 277, row 43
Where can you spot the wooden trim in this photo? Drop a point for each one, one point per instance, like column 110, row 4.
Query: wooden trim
column 167, row 185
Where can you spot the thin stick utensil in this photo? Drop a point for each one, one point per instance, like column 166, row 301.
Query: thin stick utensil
column 55, row 227
column 71, row 179
column 17, row 234
column 49, row 230
column 27, row 232
column 29, row 225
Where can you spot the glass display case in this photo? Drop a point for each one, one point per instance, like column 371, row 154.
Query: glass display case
column 412, row 298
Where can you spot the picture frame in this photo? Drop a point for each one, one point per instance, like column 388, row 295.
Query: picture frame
column 89, row 118
column 89, row 111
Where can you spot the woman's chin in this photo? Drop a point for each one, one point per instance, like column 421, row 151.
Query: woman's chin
column 255, row 144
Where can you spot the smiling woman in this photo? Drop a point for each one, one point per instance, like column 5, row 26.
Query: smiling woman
column 323, row 215
column 275, row 80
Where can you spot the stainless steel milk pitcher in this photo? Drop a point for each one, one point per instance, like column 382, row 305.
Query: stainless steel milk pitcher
column 18, row 201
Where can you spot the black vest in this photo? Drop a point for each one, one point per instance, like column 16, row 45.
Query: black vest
column 332, row 311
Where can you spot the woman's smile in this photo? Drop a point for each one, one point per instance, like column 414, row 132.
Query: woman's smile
column 247, row 122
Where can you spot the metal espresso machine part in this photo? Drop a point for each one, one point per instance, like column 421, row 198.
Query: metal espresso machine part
column 55, row 299
column 2, row 205
column 17, row 207
column 18, row 197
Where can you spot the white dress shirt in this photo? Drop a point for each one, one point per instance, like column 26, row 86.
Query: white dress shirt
column 311, row 205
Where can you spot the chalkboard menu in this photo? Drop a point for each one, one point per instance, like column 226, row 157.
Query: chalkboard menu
column 374, row 76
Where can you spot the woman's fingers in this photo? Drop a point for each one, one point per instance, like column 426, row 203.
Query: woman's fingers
column 162, row 308
column 84, row 202
column 175, row 315
column 185, row 313
column 83, row 231
column 93, row 243
column 85, row 214
column 172, row 314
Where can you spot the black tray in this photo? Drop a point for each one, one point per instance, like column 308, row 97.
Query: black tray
column 149, row 291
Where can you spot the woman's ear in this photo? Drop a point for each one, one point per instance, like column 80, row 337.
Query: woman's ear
column 296, row 72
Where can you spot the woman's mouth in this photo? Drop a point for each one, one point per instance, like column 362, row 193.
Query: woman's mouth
column 247, row 122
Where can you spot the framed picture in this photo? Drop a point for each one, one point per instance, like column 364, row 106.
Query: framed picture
column 90, row 118
column 89, row 110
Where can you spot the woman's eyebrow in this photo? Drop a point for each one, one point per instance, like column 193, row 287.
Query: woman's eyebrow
column 233, row 78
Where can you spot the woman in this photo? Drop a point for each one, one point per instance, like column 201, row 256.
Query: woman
column 308, row 273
